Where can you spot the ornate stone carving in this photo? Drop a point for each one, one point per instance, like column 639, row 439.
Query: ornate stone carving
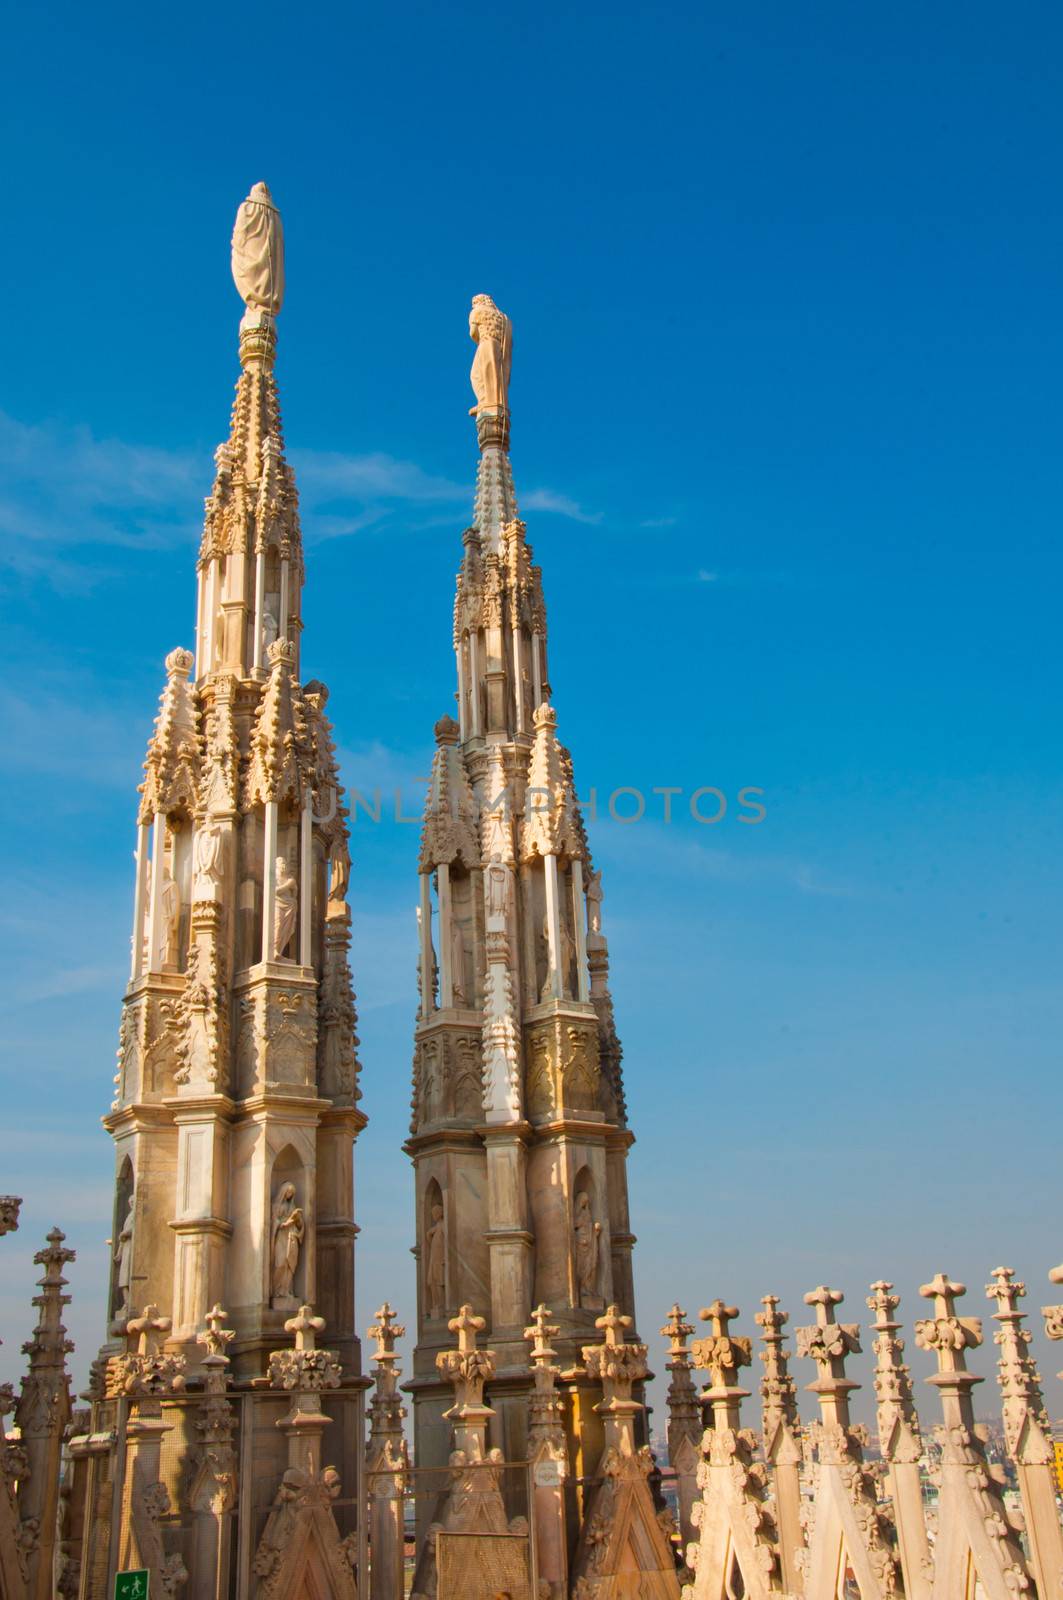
column 305, row 1368
column 208, row 862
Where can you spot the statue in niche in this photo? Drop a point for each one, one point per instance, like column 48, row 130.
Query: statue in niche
column 568, row 958
column 258, row 252
column 433, row 974
column 171, row 917
column 542, row 959
column 286, row 1238
column 587, row 1235
column 123, row 1260
column 339, row 872
column 565, row 957
column 435, row 1256
column 145, row 947
column 270, row 628
column 285, row 907
column 594, row 902
column 492, row 333
column 457, row 963
column 207, row 855
column 499, row 892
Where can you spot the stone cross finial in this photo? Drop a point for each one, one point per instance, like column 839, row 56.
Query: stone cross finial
column 827, row 1340
column 215, row 1337
column 828, row 1343
column 612, row 1324
column 944, row 1293
column 946, row 1333
column 305, row 1327
column 539, row 1334
column 721, row 1354
column 1007, row 1291
column 883, row 1304
column 55, row 1255
column 898, row 1425
column 305, row 1367
column 677, row 1331
column 824, row 1300
column 777, row 1386
column 468, row 1326
column 720, row 1315
column 771, row 1319
column 1019, row 1379
column 148, row 1329
column 384, row 1331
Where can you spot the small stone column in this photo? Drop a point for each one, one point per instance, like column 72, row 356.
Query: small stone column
column 260, row 603
column 157, row 933
column 42, row 1414
column 143, row 1378
column 685, row 1425
column 269, row 877
column 781, row 1426
column 136, row 965
column 624, row 1537
column 731, row 1517
column 386, row 1463
column 302, row 1516
column 900, row 1442
column 973, row 1523
column 547, row 1456
column 427, row 964
column 554, row 984
column 468, row 1368
column 848, row 1514
column 579, row 928
column 306, row 881
column 305, row 1372
column 214, row 1486
column 1027, row 1432
column 618, row 1367
column 446, row 975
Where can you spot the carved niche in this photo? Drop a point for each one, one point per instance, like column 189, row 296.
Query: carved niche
column 466, row 1072
column 291, row 1037
column 563, row 1070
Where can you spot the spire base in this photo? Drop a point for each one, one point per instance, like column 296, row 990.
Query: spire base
column 258, row 337
column 492, row 427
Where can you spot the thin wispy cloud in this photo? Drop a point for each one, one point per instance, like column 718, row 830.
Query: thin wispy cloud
column 63, row 731
column 59, row 985
column 675, row 851
column 659, row 522
column 561, row 504
column 68, row 489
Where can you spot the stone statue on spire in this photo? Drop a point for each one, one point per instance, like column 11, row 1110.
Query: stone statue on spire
column 492, row 333
column 258, row 252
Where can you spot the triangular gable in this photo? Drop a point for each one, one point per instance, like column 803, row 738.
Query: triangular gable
column 624, row 1552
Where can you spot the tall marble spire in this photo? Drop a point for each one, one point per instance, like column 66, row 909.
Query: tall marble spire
column 519, row 1135
column 236, row 1096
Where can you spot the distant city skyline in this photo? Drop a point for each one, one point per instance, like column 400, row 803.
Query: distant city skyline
column 785, row 296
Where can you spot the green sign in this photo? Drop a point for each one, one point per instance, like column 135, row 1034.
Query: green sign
column 131, row 1585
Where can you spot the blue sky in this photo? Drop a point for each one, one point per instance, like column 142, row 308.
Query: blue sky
column 785, row 284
